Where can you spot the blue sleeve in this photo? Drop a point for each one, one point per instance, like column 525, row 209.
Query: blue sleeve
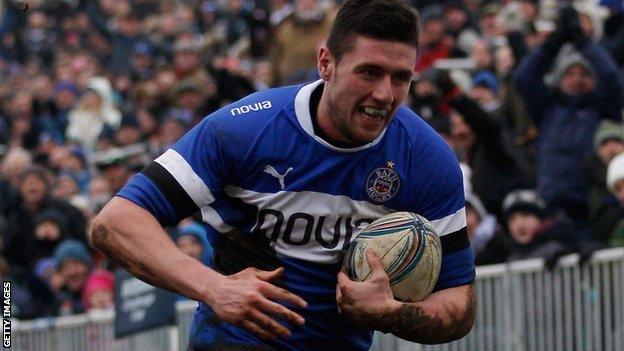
column 440, row 198
column 529, row 80
column 609, row 85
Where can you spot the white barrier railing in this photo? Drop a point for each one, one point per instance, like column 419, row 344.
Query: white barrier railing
column 521, row 306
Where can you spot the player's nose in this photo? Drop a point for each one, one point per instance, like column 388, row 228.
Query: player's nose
column 382, row 91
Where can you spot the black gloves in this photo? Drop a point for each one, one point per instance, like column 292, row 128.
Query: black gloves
column 569, row 19
column 568, row 30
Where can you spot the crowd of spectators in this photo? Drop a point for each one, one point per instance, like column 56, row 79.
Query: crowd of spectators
column 529, row 93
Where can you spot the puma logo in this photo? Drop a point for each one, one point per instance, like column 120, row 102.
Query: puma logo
column 280, row 177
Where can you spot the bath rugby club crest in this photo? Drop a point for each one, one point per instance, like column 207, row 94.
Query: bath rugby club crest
column 383, row 183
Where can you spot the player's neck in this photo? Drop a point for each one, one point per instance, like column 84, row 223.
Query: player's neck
column 321, row 118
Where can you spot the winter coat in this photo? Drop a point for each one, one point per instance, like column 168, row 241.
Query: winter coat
column 551, row 241
column 567, row 124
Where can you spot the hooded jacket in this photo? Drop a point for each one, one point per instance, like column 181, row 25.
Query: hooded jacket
column 567, row 123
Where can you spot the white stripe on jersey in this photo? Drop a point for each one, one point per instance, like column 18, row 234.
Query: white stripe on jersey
column 450, row 223
column 212, row 217
column 194, row 186
column 314, row 209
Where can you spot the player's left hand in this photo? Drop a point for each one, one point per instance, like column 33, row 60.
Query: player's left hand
column 365, row 303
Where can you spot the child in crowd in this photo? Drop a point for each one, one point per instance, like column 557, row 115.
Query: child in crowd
column 99, row 291
column 534, row 234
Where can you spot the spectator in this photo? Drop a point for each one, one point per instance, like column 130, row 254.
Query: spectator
column 486, row 236
column 73, row 263
column 512, row 112
column 433, row 44
column 604, row 209
column 534, row 234
column 99, row 291
column 615, row 181
column 191, row 239
column 34, row 189
column 586, row 88
column 95, row 110
column 296, row 39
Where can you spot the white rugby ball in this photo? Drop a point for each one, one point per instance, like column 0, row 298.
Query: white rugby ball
column 409, row 249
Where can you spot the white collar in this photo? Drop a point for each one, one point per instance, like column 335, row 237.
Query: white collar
column 302, row 110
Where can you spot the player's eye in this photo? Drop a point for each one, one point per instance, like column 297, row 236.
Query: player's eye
column 402, row 78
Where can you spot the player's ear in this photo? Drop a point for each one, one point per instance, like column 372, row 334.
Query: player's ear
column 326, row 63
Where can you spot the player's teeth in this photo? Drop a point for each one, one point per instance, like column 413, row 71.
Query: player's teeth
column 374, row 112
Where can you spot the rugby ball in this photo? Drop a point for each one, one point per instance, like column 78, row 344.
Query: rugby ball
column 409, row 249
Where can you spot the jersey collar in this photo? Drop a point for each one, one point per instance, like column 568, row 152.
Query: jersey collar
column 302, row 110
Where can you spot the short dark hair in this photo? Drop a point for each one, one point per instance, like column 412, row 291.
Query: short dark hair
column 392, row 20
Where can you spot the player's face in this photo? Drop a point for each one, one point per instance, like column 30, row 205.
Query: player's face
column 363, row 91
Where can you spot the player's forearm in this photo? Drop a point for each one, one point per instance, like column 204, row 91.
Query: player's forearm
column 444, row 316
column 134, row 239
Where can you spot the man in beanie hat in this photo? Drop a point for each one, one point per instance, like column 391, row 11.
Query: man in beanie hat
column 586, row 87
column 73, row 264
column 533, row 234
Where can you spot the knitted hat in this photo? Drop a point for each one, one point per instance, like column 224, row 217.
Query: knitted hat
column 97, row 281
column 567, row 58
column 615, row 172
column 71, row 249
column 608, row 130
column 525, row 201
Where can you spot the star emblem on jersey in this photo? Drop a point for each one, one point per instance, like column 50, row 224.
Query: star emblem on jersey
column 280, row 177
column 383, row 183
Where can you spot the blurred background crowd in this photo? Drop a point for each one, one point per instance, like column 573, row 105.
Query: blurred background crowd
column 529, row 93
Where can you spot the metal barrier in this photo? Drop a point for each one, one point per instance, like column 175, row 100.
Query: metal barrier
column 522, row 306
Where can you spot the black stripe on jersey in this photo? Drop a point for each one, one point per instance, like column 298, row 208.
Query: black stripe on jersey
column 455, row 241
column 173, row 191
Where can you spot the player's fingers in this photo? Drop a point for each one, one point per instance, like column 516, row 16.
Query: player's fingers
column 343, row 279
column 275, row 293
column 374, row 263
column 276, row 309
column 269, row 324
column 269, row 275
column 345, row 299
column 256, row 329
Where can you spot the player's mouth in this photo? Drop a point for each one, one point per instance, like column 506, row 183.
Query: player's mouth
column 373, row 114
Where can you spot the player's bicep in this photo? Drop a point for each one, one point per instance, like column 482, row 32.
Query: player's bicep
column 457, row 258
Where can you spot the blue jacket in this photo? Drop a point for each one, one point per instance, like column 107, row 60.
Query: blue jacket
column 567, row 123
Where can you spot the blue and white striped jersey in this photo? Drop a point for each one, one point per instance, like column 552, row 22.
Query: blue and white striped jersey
column 273, row 194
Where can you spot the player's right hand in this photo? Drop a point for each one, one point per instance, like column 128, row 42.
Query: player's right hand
column 247, row 300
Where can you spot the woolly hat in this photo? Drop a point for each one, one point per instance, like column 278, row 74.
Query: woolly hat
column 98, row 280
column 71, row 249
column 615, row 172
column 608, row 130
column 525, row 201
column 567, row 58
